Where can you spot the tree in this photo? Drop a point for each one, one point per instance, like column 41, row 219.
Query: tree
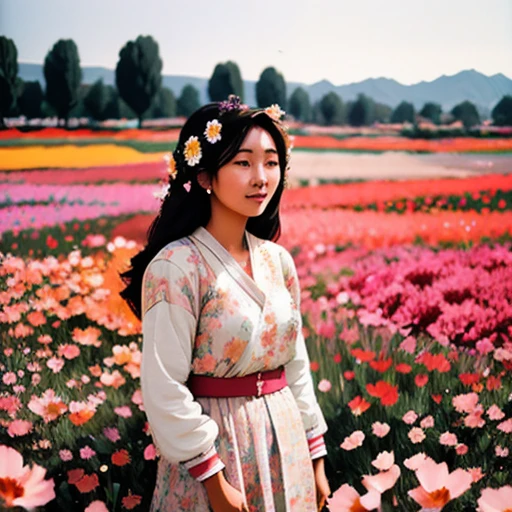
column 188, row 102
column 502, row 112
column 432, row 111
column 361, row 111
column 8, row 75
column 164, row 105
column 270, row 89
column 31, row 100
column 225, row 80
column 404, row 113
column 467, row 113
column 139, row 74
column 382, row 113
column 299, row 105
column 63, row 76
column 96, row 101
column 331, row 108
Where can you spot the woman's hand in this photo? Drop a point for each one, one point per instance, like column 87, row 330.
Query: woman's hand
column 323, row 491
column 223, row 497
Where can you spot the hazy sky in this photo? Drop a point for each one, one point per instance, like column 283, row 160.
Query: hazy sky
column 339, row 40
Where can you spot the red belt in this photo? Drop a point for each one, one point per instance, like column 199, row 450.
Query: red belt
column 255, row 384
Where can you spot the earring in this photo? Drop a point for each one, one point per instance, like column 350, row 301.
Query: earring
column 208, row 190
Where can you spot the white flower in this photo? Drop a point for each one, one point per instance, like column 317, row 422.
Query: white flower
column 160, row 194
column 212, row 132
column 192, row 151
column 275, row 112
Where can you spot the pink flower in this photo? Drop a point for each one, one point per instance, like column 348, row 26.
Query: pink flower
column 505, row 426
column 465, row 402
column 19, row 428
column 65, row 455
column 49, row 406
column 9, row 378
column 495, row 413
column 448, row 439
column 87, row 452
column 137, row 397
column 408, row 345
column 476, row 474
column 353, row 441
column 383, row 481
column 409, row 417
column 427, row 422
column 45, row 339
column 416, row 435
column 55, row 364
column 124, row 411
column 380, row 429
column 484, row 346
column 475, row 420
column 347, row 499
column 112, row 434
column 69, row 351
column 384, row 461
column 461, row 449
column 495, row 500
column 324, row 386
column 414, row 462
column 96, row 506
column 21, row 486
column 150, row 452
column 438, row 486
column 501, row 452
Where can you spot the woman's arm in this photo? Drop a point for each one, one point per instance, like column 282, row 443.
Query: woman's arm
column 180, row 429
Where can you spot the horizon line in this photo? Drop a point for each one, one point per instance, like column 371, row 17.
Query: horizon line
column 304, row 83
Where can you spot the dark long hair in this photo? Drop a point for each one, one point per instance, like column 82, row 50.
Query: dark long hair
column 183, row 212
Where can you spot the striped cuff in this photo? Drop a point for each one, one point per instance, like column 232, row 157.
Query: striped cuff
column 205, row 465
column 317, row 447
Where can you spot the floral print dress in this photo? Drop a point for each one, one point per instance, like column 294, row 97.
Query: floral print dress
column 203, row 314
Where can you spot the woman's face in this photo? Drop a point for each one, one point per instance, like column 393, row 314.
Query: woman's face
column 246, row 184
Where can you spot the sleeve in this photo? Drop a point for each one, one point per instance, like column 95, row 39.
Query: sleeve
column 298, row 373
column 180, row 430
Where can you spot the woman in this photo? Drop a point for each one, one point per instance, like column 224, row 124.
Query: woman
column 225, row 373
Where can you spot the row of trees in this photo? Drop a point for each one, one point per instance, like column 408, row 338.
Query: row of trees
column 139, row 92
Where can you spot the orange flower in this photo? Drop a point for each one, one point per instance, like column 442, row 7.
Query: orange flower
column 88, row 336
column 358, row 405
column 120, row 458
column 363, row 355
column 36, row 318
column 81, row 412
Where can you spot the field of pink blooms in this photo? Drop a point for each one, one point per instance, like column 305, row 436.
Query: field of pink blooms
column 407, row 309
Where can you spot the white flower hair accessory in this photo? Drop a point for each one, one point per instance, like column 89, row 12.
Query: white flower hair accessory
column 162, row 193
column 193, row 152
column 275, row 112
column 212, row 131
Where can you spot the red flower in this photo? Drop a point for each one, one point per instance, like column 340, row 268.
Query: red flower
column 131, row 501
column 434, row 362
column 88, row 483
column 358, row 405
column 437, row 398
column 421, row 380
column 120, row 458
column 469, row 378
column 403, row 368
column 381, row 365
column 363, row 355
column 349, row 374
column 387, row 393
column 337, row 358
column 74, row 475
column 493, row 383
column 314, row 366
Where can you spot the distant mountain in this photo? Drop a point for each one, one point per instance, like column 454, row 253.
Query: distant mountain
column 484, row 91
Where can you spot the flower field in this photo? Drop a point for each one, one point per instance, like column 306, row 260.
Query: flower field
column 407, row 308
